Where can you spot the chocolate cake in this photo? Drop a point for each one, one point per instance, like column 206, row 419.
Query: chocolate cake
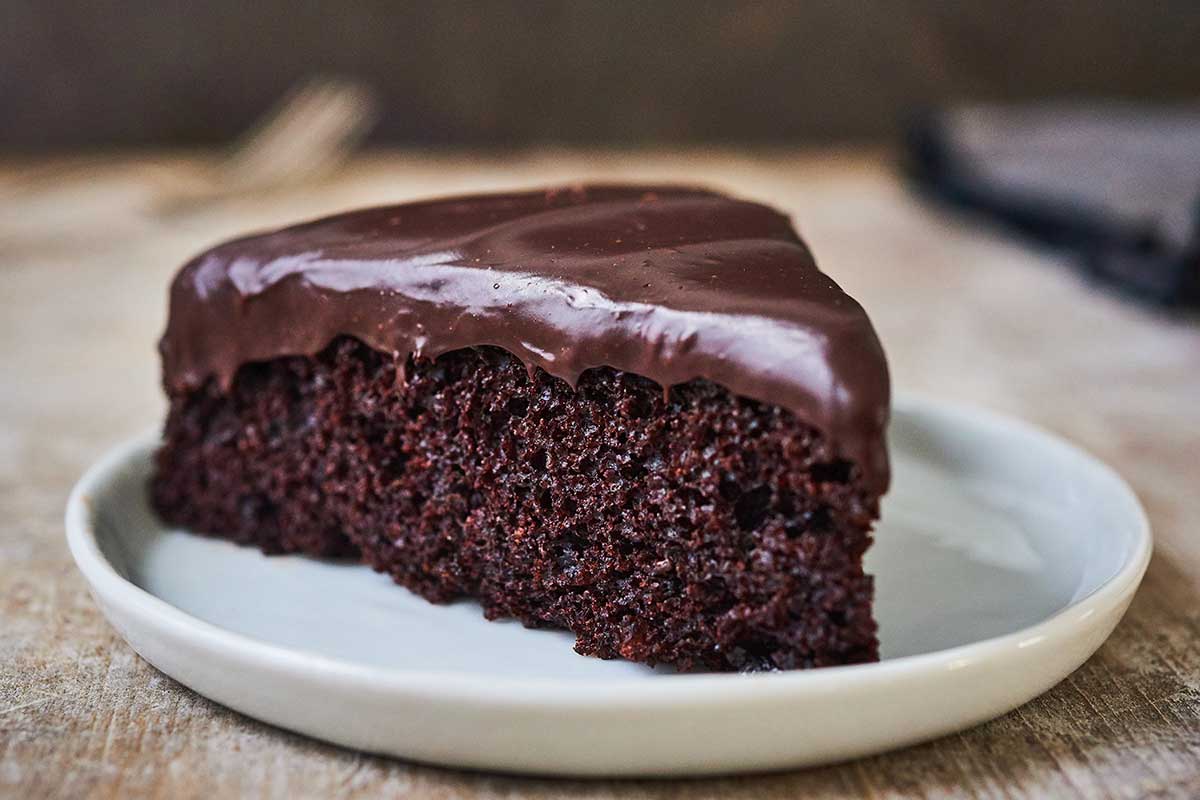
column 639, row 413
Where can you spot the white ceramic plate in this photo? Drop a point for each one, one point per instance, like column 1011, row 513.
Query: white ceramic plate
column 1005, row 558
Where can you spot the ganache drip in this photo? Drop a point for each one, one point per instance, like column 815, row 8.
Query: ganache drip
column 671, row 283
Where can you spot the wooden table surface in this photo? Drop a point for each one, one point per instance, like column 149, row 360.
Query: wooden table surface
column 86, row 250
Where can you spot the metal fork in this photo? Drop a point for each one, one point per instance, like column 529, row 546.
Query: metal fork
column 312, row 129
column 309, row 132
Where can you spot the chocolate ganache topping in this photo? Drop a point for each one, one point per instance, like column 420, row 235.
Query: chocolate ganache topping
column 668, row 282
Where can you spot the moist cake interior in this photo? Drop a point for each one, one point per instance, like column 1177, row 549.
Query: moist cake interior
column 639, row 413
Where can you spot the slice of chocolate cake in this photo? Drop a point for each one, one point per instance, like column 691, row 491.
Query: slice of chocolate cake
column 638, row 413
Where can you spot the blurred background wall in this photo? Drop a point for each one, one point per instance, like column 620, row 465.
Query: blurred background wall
column 502, row 73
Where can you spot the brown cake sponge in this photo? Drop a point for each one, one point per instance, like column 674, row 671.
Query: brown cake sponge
column 704, row 531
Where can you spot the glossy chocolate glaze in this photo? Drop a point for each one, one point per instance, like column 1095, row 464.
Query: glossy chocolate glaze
column 667, row 282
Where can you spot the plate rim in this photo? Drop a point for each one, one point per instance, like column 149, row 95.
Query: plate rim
column 611, row 694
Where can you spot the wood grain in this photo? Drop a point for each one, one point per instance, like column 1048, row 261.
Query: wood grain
column 964, row 314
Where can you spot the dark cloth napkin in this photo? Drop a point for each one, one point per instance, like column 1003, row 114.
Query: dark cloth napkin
column 1119, row 185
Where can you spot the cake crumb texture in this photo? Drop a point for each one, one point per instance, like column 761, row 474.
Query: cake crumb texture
column 707, row 531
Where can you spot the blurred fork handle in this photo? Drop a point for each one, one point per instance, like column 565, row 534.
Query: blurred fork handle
column 312, row 130
column 309, row 132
